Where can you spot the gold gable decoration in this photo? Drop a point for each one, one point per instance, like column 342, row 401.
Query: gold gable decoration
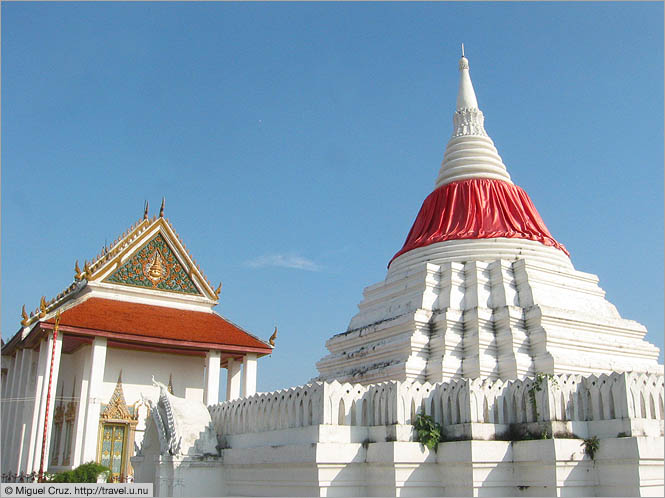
column 117, row 410
column 111, row 257
column 155, row 266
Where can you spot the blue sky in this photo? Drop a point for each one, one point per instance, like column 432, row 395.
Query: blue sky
column 295, row 143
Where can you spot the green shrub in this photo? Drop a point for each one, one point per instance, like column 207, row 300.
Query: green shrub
column 428, row 431
column 591, row 446
column 87, row 472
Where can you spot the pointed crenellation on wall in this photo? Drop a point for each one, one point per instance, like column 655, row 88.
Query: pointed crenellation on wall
column 586, row 404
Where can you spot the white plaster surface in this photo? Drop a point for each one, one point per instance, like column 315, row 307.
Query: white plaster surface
column 333, row 439
column 498, row 319
column 233, row 378
column 212, row 371
column 183, row 425
column 95, row 396
column 89, row 376
column 249, row 374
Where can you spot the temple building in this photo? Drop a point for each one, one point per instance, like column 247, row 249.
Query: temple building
column 533, row 383
column 80, row 372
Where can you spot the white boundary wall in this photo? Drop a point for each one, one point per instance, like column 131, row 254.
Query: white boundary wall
column 333, row 439
column 618, row 397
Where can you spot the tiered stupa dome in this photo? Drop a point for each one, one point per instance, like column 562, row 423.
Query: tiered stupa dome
column 481, row 288
column 476, row 212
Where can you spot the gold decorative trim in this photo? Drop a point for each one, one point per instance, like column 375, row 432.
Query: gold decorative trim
column 70, row 412
column 117, row 410
column 59, row 414
column 115, row 253
column 77, row 271
column 42, row 307
column 25, row 319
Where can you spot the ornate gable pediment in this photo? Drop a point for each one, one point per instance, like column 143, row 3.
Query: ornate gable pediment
column 150, row 256
column 154, row 266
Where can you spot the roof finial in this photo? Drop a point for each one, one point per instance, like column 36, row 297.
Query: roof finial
column 24, row 316
column 466, row 97
column 161, row 209
column 145, row 210
column 77, row 271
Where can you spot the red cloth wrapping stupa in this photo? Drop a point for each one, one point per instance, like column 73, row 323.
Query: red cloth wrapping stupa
column 477, row 208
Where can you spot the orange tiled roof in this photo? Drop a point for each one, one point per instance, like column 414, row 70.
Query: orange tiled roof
column 159, row 322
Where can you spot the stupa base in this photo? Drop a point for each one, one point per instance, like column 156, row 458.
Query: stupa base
column 497, row 319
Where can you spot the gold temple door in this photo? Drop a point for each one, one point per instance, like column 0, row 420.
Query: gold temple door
column 112, row 452
column 117, row 425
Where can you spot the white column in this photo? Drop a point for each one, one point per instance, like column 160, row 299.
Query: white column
column 42, row 405
column 47, row 345
column 79, row 427
column 211, row 393
column 3, row 394
column 34, row 406
column 93, row 401
column 233, row 379
column 25, row 413
column 249, row 374
column 8, row 407
column 54, row 392
column 3, row 408
column 16, row 417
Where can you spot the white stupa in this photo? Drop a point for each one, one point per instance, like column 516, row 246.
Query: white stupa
column 479, row 303
column 481, row 288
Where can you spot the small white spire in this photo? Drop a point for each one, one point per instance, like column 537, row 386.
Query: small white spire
column 470, row 153
column 466, row 97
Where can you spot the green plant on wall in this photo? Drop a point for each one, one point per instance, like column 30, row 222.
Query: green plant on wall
column 591, row 446
column 537, row 386
column 428, row 432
